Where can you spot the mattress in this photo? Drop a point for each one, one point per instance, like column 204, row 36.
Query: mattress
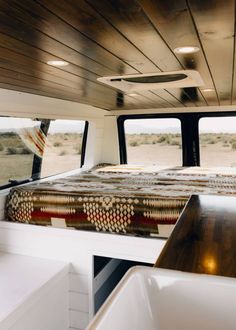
column 131, row 200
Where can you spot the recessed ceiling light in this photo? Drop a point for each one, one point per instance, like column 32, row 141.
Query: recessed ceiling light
column 133, row 94
column 186, row 50
column 208, row 90
column 57, row 63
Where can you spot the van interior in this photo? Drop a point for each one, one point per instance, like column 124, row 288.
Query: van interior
column 118, row 164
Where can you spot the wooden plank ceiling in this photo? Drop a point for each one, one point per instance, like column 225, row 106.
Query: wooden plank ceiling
column 109, row 37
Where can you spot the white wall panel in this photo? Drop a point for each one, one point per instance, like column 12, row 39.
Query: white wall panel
column 78, row 248
column 79, row 302
column 79, row 320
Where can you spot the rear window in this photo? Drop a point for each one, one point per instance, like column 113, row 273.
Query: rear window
column 217, row 141
column 154, row 141
column 38, row 148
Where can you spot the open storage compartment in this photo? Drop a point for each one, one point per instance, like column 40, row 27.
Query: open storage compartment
column 107, row 274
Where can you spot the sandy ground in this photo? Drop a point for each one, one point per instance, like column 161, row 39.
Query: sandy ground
column 55, row 164
column 19, row 166
column 211, row 155
column 217, row 155
column 155, row 154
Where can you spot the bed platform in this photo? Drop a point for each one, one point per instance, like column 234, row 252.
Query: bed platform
column 124, row 199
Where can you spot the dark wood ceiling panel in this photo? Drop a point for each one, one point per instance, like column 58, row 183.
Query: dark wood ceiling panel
column 103, row 28
column 90, row 24
column 174, row 22
column 25, row 67
column 170, row 98
column 27, row 32
column 113, row 37
column 30, row 42
column 21, row 48
column 128, row 17
column 43, row 20
column 215, row 22
column 101, row 31
column 24, row 64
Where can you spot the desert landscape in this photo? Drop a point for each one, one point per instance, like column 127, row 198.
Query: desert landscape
column 63, row 152
column 216, row 149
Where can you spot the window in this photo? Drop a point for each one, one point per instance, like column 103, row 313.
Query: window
column 153, row 141
column 38, row 148
column 217, row 141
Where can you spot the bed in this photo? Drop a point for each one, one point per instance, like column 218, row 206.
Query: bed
column 123, row 199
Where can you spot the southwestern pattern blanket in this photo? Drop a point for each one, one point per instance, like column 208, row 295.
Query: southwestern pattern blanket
column 143, row 201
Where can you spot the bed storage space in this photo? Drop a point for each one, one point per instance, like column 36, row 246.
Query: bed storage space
column 107, row 274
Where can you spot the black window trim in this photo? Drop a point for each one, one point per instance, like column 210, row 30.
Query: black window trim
column 84, row 143
column 189, row 127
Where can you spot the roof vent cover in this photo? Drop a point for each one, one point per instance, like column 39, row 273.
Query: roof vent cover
column 139, row 82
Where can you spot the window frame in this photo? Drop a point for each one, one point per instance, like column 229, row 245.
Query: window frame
column 35, row 175
column 189, row 132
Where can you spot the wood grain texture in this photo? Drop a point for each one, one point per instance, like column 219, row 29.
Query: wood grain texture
column 204, row 238
column 100, row 37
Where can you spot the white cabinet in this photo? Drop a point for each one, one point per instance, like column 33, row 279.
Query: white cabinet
column 33, row 293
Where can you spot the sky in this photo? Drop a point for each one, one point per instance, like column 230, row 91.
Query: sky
column 56, row 126
column 211, row 125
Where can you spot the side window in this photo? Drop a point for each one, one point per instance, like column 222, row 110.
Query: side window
column 217, row 141
column 26, row 146
column 154, row 141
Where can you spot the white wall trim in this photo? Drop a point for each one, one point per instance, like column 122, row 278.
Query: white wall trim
column 19, row 104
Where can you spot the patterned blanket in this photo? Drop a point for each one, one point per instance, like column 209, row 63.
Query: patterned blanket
column 144, row 201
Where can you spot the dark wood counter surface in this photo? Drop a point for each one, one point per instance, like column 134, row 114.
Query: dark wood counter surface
column 204, row 238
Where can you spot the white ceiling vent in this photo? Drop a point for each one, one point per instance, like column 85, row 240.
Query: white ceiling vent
column 139, row 82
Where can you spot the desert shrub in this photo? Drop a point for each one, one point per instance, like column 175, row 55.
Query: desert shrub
column 17, row 151
column 175, row 143
column 233, row 146
column 62, row 153
column 1, row 147
column 57, row 144
column 226, row 145
column 8, row 134
column 78, row 149
column 134, row 143
column 212, row 141
column 11, row 151
column 161, row 139
column 168, row 139
column 146, row 140
column 24, row 151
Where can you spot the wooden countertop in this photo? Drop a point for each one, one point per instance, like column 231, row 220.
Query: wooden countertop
column 204, row 238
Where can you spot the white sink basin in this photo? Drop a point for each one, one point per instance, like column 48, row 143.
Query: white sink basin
column 149, row 298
